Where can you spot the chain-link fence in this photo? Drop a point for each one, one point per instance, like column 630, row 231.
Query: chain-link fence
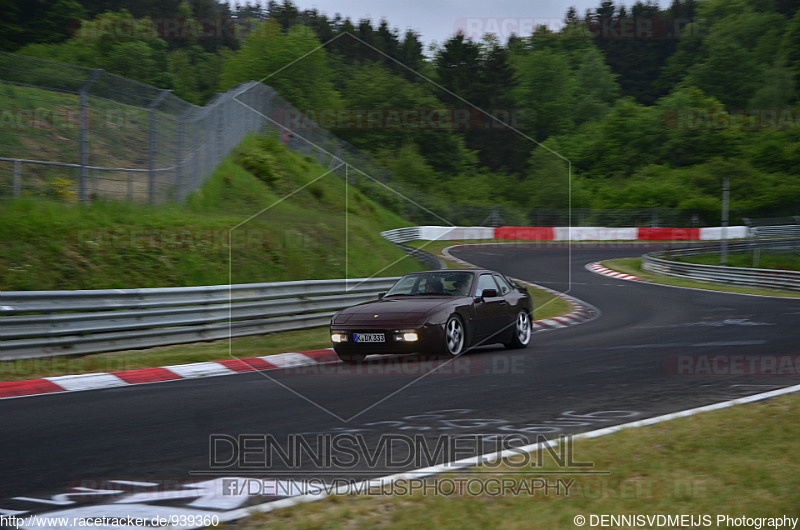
column 77, row 133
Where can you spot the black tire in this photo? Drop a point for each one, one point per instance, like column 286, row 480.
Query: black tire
column 352, row 358
column 522, row 332
column 455, row 337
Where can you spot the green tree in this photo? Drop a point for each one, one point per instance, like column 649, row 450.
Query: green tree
column 292, row 63
column 117, row 43
column 10, row 27
column 456, row 63
column 195, row 73
column 546, row 89
column 790, row 45
column 372, row 87
column 696, row 129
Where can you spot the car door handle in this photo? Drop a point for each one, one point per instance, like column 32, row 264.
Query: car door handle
column 503, row 302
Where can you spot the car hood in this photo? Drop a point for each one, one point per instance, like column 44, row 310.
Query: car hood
column 401, row 310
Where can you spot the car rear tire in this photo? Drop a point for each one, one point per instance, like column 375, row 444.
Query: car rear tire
column 454, row 336
column 522, row 331
column 351, row 358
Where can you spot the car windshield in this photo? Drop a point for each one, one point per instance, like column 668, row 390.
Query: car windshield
column 445, row 283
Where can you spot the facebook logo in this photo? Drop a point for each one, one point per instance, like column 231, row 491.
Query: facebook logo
column 230, row 486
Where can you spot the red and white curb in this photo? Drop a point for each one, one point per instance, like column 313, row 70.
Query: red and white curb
column 580, row 312
column 599, row 269
column 92, row 381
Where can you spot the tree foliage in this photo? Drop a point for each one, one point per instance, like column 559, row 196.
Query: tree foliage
column 651, row 105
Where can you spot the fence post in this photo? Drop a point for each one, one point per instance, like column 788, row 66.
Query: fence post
column 219, row 137
column 178, row 158
column 151, row 154
column 180, row 120
column 84, row 137
column 17, row 179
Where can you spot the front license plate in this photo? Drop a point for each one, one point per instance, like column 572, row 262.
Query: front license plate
column 368, row 337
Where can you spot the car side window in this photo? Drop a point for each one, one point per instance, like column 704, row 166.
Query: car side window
column 504, row 287
column 485, row 281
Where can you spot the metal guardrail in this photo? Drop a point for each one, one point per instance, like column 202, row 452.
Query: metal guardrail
column 773, row 228
column 402, row 235
column 775, row 231
column 426, row 258
column 659, row 263
column 53, row 323
column 398, row 236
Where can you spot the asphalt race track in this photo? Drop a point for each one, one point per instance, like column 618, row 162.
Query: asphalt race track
column 652, row 350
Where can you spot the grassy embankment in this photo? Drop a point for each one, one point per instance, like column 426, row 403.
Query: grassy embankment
column 307, row 229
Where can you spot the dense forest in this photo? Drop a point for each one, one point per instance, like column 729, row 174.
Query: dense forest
column 655, row 120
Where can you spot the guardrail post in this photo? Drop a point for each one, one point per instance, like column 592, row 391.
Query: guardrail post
column 723, row 249
column 84, row 135
column 17, row 179
column 151, row 155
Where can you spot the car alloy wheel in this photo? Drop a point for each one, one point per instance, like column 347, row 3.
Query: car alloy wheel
column 522, row 331
column 454, row 336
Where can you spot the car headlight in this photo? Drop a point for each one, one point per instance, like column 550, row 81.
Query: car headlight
column 406, row 336
column 338, row 337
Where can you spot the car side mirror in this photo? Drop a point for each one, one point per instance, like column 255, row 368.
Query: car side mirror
column 381, row 295
column 489, row 293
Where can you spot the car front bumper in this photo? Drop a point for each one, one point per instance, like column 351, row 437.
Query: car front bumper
column 430, row 338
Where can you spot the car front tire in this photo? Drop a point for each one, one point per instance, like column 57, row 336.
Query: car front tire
column 522, row 331
column 454, row 336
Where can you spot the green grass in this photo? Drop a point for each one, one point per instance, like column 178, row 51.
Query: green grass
column 789, row 261
column 737, row 461
column 436, row 247
column 634, row 266
column 289, row 225
column 44, row 125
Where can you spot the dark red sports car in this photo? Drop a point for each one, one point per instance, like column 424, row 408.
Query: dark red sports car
column 437, row 312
